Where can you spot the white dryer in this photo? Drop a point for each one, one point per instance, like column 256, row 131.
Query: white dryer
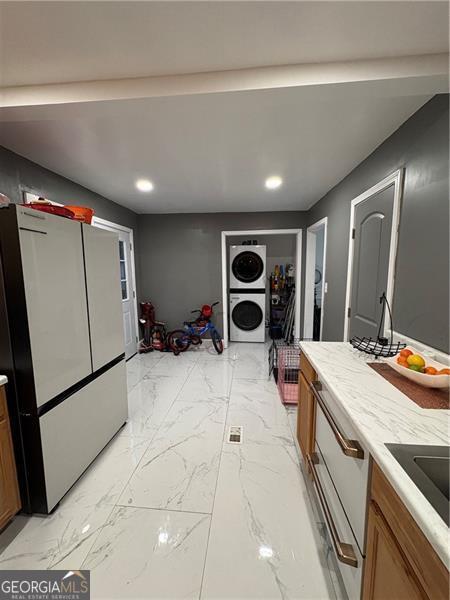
column 247, row 317
column 247, row 267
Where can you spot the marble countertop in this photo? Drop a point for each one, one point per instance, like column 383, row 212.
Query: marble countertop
column 381, row 414
column 3, row 380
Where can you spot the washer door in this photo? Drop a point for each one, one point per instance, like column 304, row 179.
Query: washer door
column 247, row 267
column 247, row 315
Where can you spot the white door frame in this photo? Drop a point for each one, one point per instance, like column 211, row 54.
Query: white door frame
column 395, row 179
column 298, row 266
column 310, row 269
column 110, row 226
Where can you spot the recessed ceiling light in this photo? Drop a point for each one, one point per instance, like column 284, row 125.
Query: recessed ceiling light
column 273, row 182
column 144, row 185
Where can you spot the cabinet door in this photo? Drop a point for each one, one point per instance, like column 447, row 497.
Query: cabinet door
column 9, row 492
column 101, row 251
column 55, row 290
column 305, row 417
column 75, row 431
column 388, row 575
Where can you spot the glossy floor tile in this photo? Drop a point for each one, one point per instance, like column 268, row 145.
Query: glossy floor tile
column 149, row 402
column 255, row 405
column 61, row 540
column 179, row 469
column 176, row 366
column 261, row 529
column 170, row 509
column 252, row 362
column 144, row 553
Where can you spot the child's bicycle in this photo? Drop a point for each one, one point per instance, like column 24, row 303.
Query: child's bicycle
column 180, row 339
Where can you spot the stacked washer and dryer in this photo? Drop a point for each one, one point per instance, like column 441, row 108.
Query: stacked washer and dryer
column 247, row 285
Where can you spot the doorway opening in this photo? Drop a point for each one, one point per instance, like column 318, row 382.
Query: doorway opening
column 252, row 235
column 315, row 283
column 125, row 256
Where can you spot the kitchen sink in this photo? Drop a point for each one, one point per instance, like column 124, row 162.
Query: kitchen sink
column 428, row 467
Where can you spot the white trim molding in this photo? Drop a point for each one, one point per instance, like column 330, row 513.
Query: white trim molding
column 308, row 309
column 395, row 179
column 422, row 74
column 298, row 272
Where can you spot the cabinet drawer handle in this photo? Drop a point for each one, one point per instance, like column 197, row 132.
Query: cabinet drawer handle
column 33, row 213
column 32, row 230
column 345, row 552
column 348, row 447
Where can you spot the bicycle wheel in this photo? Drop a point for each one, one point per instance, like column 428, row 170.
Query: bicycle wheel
column 217, row 341
column 178, row 341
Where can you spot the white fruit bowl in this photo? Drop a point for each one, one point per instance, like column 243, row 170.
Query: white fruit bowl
column 431, row 381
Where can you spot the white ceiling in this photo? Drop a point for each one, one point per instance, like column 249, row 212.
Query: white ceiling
column 212, row 151
column 47, row 42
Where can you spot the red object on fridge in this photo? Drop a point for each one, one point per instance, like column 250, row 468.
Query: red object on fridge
column 61, row 211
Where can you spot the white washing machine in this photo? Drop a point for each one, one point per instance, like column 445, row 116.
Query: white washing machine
column 247, row 267
column 247, row 317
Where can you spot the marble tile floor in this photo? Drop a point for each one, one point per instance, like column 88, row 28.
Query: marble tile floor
column 170, row 509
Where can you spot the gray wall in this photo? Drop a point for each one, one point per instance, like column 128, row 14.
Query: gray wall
column 181, row 257
column 421, row 297
column 17, row 172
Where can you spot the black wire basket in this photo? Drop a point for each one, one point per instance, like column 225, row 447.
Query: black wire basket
column 381, row 346
column 374, row 347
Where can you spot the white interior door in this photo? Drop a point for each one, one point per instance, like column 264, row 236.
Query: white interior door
column 128, row 294
column 127, row 283
column 371, row 254
column 309, row 285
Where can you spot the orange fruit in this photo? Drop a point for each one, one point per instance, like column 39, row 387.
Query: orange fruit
column 430, row 371
column 405, row 352
column 401, row 360
column 444, row 372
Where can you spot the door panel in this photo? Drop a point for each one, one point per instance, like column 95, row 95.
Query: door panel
column 373, row 224
column 124, row 258
column 55, row 289
column 75, row 431
column 128, row 330
column 104, row 297
column 128, row 304
column 9, row 491
column 387, row 575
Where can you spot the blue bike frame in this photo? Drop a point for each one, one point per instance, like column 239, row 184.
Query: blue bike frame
column 191, row 330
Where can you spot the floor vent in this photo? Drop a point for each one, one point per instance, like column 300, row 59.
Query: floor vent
column 235, row 434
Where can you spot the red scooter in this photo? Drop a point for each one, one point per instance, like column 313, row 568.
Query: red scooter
column 154, row 331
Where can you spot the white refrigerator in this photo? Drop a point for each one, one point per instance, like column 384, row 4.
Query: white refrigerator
column 62, row 348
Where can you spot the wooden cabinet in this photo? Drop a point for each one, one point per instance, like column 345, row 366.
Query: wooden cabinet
column 388, row 574
column 400, row 562
column 9, row 490
column 305, row 414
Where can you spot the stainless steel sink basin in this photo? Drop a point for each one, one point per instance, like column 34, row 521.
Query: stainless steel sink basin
column 428, row 467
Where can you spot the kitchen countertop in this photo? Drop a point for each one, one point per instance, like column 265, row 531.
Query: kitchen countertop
column 3, row 380
column 381, row 414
